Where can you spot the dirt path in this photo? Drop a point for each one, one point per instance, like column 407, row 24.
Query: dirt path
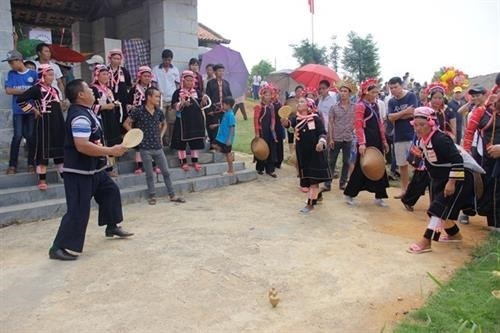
column 206, row 266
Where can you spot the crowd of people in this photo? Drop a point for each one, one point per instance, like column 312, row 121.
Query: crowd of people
column 80, row 126
column 451, row 145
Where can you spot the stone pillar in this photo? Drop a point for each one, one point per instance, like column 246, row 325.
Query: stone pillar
column 82, row 42
column 173, row 24
column 6, row 44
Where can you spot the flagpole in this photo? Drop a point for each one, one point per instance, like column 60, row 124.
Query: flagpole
column 312, row 28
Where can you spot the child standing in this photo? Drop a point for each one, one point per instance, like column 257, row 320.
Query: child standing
column 225, row 135
column 150, row 119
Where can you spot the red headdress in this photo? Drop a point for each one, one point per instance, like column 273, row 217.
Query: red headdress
column 311, row 91
column 266, row 87
column 367, row 84
column 435, row 86
column 184, row 92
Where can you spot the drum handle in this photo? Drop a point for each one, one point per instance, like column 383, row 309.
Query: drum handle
column 209, row 103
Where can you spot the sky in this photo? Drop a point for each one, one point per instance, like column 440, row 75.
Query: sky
column 417, row 36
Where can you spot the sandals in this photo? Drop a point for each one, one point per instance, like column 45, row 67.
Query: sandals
column 152, row 201
column 185, row 167
column 11, row 171
column 447, row 239
column 138, row 171
column 417, row 249
column 42, row 186
column 177, row 199
column 197, row 166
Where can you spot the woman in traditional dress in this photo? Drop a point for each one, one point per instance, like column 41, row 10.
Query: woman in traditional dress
column 310, row 144
column 189, row 127
column 119, row 77
column 486, row 120
column 108, row 108
column 451, row 183
column 369, row 130
column 265, row 127
column 43, row 99
column 445, row 117
column 279, row 129
column 136, row 98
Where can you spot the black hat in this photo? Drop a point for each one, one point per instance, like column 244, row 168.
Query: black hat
column 477, row 89
column 218, row 66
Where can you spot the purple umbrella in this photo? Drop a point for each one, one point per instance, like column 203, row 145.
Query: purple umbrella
column 235, row 71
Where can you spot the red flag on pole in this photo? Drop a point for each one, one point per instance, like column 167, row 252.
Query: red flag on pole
column 311, row 6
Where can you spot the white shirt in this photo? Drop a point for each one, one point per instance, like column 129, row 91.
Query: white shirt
column 382, row 108
column 167, row 81
column 57, row 73
column 324, row 106
column 256, row 80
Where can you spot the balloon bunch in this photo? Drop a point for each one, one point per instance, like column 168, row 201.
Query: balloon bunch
column 451, row 78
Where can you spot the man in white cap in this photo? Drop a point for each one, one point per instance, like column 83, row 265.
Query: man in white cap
column 93, row 61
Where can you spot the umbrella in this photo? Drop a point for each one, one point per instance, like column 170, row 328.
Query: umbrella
column 282, row 80
column 235, row 71
column 311, row 74
column 63, row 53
column 27, row 47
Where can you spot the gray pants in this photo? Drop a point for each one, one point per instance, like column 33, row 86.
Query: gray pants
column 345, row 146
column 161, row 161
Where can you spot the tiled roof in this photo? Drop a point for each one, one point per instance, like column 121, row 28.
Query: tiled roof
column 205, row 34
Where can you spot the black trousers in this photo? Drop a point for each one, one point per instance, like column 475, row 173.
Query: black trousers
column 416, row 188
column 79, row 192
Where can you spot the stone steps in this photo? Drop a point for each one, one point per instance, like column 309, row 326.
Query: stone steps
column 30, row 193
column 21, row 201
column 54, row 202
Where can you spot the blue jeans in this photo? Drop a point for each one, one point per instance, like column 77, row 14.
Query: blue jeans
column 24, row 125
column 255, row 91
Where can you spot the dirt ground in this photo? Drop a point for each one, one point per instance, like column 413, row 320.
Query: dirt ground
column 207, row 265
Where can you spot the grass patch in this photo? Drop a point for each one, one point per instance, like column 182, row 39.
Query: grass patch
column 465, row 303
column 244, row 129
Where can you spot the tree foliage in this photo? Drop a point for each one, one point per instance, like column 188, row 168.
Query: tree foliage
column 334, row 56
column 263, row 68
column 309, row 53
column 360, row 57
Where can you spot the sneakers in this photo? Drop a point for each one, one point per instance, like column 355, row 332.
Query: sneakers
column 380, row 203
column 463, row 219
column 349, row 200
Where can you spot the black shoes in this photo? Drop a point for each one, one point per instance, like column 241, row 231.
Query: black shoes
column 61, row 254
column 117, row 231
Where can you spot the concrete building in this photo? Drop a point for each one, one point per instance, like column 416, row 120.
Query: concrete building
column 94, row 26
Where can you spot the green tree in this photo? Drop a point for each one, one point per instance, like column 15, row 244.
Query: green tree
column 361, row 57
column 263, row 68
column 334, row 55
column 309, row 53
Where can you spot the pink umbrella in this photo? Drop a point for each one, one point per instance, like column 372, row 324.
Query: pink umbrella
column 311, row 74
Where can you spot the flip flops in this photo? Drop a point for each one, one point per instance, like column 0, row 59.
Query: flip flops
column 185, row 167
column 417, row 249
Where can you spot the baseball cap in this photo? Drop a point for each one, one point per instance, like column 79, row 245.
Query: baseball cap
column 13, row 55
column 95, row 59
column 477, row 89
column 457, row 90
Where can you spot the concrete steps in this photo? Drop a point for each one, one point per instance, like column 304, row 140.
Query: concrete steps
column 21, row 201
